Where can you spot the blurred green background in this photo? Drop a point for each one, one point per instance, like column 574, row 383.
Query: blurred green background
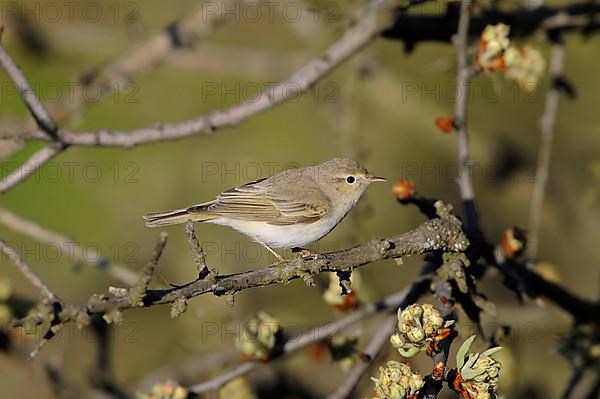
column 379, row 108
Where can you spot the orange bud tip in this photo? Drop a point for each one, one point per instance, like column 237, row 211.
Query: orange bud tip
column 404, row 190
column 445, row 124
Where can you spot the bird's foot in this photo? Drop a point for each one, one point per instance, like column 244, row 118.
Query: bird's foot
column 280, row 259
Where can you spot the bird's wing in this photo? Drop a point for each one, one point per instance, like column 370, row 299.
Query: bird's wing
column 258, row 201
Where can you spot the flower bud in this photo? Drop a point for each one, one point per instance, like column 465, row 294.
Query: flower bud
column 259, row 337
column 397, row 381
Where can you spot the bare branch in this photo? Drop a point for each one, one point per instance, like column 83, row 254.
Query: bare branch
column 30, row 166
column 31, row 100
column 67, row 245
column 27, row 272
column 367, row 27
column 461, row 42
column 148, row 54
column 545, row 150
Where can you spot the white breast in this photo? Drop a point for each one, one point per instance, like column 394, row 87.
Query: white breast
column 289, row 236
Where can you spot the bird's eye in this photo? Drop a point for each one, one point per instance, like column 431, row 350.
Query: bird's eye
column 350, row 179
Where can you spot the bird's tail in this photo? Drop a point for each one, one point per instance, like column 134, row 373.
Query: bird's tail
column 178, row 216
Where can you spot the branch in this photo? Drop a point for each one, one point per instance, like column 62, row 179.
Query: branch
column 27, row 272
column 443, row 234
column 366, row 28
column 30, row 166
column 67, row 245
column 577, row 17
column 437, row 234
column 529, row 282
column 42, row 118
column 545, row 151
column 461, row 42
column 147, row 55
column 33, row 103
column 521, row 278
column 375, row 346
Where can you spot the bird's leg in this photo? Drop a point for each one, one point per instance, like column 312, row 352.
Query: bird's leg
column 305, row 253
column 271, row 250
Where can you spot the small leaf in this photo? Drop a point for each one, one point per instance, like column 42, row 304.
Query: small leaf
column 491, row 351
column 462, row 351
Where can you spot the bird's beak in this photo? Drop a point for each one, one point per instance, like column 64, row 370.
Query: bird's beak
column 373, row 179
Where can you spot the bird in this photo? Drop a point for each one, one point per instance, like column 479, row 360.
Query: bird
column 290, row 209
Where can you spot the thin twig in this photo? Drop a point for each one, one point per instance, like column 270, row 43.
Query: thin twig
column 30, row 166
column 461, row 42
column 545, row 150
column 27, row 272
column 147, row 55
column 44, row 235
column 43, row 119
column 31, row 100
column 198, row 254
column 139, row 290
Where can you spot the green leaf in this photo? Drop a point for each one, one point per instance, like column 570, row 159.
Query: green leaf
column 491, row 351
column 462, row 351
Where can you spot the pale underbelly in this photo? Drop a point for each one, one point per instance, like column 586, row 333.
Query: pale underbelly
column 289, row 236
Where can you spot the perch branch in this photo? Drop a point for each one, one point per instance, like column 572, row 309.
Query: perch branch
column 444, row 234
column 437, row 234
